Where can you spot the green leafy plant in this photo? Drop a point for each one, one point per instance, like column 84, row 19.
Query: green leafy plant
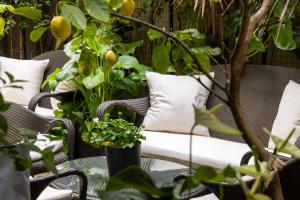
column 110, row 132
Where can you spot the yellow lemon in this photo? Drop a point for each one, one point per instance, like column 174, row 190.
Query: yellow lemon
column 60, row 28
column 128, row 7
column 111, row 58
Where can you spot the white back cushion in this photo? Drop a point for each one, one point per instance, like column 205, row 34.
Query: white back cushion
column 288, row 116
column 31, row 71
column 172, row 98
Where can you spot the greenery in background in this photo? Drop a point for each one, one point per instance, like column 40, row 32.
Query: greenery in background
column 282, row 25
column 29, row 10
column 17, row 152
column 112, row 133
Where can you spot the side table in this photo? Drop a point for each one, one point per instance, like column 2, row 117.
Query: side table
column 162, row 172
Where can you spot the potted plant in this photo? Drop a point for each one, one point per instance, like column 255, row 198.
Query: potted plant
column 121, row 139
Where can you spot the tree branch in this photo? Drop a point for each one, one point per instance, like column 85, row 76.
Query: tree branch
column 173, row 37
column 248, row 24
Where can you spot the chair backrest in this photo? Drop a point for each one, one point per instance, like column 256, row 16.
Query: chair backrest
column 57, row 59
column 261, row 90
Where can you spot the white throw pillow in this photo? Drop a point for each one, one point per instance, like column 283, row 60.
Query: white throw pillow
column 172, row 98
column 31, row 71
column 288, row 116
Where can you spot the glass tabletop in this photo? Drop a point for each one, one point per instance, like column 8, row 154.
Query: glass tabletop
column 162, row 172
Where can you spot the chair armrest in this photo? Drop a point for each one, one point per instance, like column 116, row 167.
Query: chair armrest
column 38, row 97
column 197, row 193
column 39, row 184
column 140, row 106
column 71, row 133
column 247, row 156
column 18, row 116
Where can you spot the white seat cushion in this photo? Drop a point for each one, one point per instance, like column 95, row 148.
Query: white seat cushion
column 45, row 112
column 207, row 197
column 44, row 142
column 208, row 151
column 53, row 194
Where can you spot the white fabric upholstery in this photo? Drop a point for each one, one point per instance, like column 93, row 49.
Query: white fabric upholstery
column 45, row 112
column 31, row 71
column 172, row 99
column 44, row 142
column 53, row 194
column 207, row 197
column 288, row 116
column 209, row 151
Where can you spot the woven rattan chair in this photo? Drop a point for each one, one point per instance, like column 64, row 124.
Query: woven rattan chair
column 261, row 91
column 20, row 117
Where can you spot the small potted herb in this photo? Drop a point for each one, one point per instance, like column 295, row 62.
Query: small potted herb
column 121, row 139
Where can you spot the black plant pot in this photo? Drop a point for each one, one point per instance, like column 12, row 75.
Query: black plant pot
column 118, row 158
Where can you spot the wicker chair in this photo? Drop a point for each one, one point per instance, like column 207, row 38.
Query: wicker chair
column 20, row 117
column 261, row 90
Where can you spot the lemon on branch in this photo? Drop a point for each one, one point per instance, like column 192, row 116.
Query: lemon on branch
column 111, row 58
column 128, row 7
column 60, row 28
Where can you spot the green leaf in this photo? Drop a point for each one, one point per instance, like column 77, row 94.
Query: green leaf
column 208, row 119
column 74, row 15
column 209, row 174
column 134, row 177
column 2, row 8
column 48, row 159
column 115, row 4
column 2, row 25
column 37, row 33
column 161, row 58
column 260, row 197
column 252, row 169
column 68, row 72
column 283, row 145
column 3, row 124
column 97, row 9
column 212, row 51
column 51, row 77
column 127, row 62
column 128, row 49
column 87, row 62
column 72, row 46
column 256, row 45
column 154, row 35
column 203, row 57
column 190, row 34
column 93, row 80
column 29, row 12
column 283, row 35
